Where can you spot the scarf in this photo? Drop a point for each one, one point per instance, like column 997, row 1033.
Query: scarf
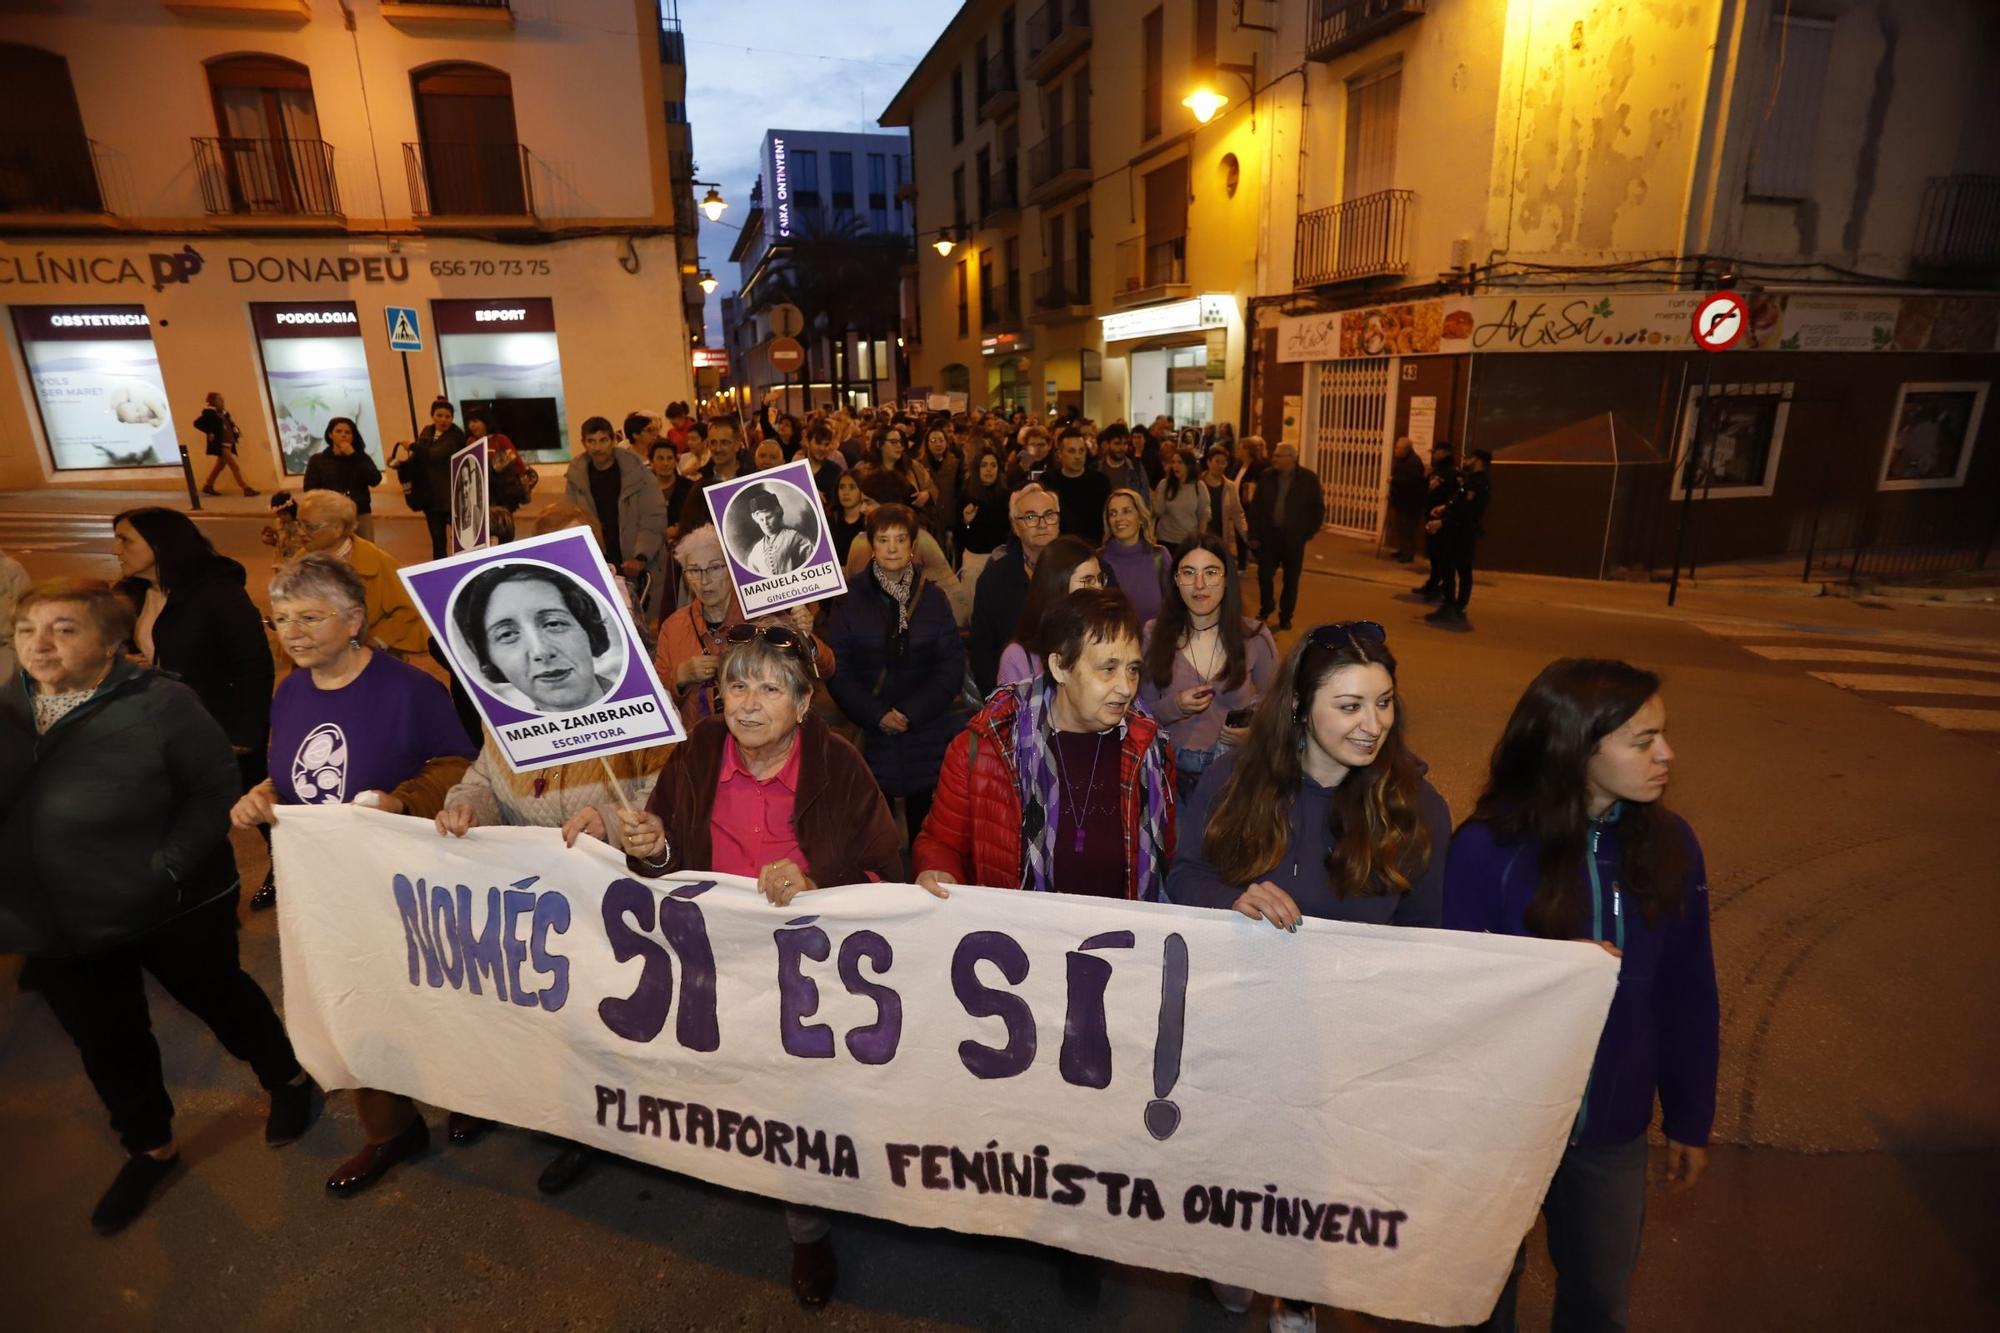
column 902, row 589
column 1034, row 762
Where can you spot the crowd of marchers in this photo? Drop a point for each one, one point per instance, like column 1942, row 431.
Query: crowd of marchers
column 1042, row 676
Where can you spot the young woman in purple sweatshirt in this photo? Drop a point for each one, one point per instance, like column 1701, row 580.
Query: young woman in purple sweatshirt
column 1569, row 840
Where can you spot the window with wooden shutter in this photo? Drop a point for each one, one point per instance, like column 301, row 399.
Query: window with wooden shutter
column 1781, row 148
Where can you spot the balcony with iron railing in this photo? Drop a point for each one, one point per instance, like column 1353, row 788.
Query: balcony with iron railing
column 41, row 175
column 1056, row 31
column 999, row 86
column 673, row 44
column 999, row 308
column 1001, row 200
column 1958, row 224
column 1059, row 165
column 1061, row 291
column 1365, row 237
column 267, row 177
column 454, row 180
column 1334, row 27
column 1151, row 270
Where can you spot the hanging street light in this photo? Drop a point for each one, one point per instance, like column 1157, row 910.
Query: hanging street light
column 1205, row 102
column 708, row 283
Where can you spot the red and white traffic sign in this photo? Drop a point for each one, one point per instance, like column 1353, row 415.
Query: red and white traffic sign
column 1720, row 321
column 785, row 354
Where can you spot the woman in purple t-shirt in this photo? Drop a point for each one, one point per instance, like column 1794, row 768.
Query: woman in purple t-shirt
column 353, row 725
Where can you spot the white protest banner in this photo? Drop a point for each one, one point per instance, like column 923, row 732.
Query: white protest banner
column 471, row 509
column 774, row 531
column 541, row 639
column 1360, row 1115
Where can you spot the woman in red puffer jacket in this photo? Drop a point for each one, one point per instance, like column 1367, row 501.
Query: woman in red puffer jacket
column 1062, row 783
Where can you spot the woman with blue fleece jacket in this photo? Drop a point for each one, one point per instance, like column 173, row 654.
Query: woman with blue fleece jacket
column 1569, row 841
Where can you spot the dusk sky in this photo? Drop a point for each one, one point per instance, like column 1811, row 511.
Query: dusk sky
column 787, row 64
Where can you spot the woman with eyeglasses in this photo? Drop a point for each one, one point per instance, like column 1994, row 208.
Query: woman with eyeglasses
column 768, row 791
column 1570, row 840
column 688, row 653
column 1062, row 783
column 1067, row 564
column 901, row 665
column 354, row 726
column 1207, row 664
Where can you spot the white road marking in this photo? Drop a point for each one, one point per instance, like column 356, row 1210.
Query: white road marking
column 1955, row 719
column 1989, row 689
column 1789, row 652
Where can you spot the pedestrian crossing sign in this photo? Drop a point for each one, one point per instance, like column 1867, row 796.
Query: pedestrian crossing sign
column 404, row 331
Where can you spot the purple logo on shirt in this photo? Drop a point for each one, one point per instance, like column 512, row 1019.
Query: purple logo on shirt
column 319, row 769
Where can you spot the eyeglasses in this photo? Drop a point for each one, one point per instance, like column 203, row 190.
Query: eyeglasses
column 707, row 571
column 778, row 636
column 308, row 621
column 1188, row 574
column 1042, row 519
column 1337, row 635
column 308, row 525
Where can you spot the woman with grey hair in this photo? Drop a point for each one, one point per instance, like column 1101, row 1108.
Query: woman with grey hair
column 768, row 792
column 353, row 725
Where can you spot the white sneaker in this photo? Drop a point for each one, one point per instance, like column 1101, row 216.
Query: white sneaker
column 1236, row 1300
column 1289, row 1318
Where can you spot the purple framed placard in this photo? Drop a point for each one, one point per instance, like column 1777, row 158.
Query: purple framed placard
column 776, row 538
column 471, row 485
column 538, row 634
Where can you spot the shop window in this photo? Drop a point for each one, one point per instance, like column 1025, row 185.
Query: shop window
column 472, row 159
column 1931, row 436
column 1731, row 448
column 315, row 369
column 97, row 385
column 500, row 357
column 46, row 164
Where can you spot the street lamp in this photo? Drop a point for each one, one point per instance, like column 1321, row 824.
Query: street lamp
column 1205, row 100
column 708, row 283
column 712, row 203
column 945, row 241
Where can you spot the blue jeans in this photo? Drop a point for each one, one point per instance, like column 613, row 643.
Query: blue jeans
column 1189, row 765
column 1595, row 1209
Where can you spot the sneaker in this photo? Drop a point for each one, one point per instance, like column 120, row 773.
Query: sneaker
column 210, row 490
column 130, row 1192
column 1441, row 616
column 1236, row 1300
column 292, row 1113
column 1289, row 1318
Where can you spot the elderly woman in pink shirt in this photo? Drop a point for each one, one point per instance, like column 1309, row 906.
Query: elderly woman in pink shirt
column 768, row 792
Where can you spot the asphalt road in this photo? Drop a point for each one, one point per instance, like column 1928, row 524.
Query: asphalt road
column 1846, row 806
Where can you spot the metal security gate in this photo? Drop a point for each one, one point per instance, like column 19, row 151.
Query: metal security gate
column 1347, row 441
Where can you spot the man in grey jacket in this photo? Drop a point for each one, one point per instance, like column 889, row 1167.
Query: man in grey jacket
column 617, row 488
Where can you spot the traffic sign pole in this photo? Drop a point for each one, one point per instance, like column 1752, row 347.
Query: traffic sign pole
column 1719, row 323
column 410, row 396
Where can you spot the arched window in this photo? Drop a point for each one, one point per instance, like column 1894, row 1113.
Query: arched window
column 45, row 160
column 470, row 160
column 268, row 156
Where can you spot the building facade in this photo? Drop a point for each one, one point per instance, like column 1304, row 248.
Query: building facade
column 817, row 193
column 1410, row 217
column 250, row 216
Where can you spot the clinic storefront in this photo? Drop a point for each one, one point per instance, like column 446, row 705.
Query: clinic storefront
column 111, row 349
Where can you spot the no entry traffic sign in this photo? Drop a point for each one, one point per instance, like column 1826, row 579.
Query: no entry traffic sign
column 1719, row 321
column 786, row 354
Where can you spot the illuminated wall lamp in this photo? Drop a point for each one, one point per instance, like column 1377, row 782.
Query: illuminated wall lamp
column 1205, row 101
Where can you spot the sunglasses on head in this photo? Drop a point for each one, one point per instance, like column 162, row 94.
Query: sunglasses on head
column 778, row 636
column 1337, row 635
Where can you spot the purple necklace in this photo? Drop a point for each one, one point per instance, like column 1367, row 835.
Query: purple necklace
column 1067, row 795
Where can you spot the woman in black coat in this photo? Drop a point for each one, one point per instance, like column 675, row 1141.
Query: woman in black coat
column 195, row 620
column 344, row 466
column 901, row 663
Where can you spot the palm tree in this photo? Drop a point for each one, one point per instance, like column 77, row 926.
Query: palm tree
column 842, row 278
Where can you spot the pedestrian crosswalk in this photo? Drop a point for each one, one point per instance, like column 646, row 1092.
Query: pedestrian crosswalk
column 1944, row 683
column 27, row 530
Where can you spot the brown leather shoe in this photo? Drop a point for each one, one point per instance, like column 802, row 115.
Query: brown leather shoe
column 369, row 1165
column 813, row 1272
